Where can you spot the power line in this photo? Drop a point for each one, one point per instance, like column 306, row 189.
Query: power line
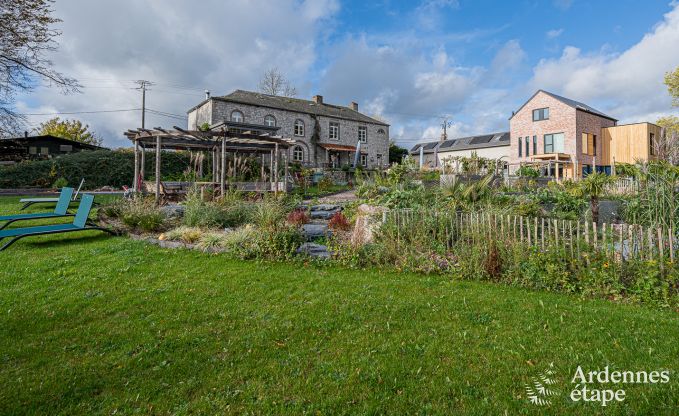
column 80, row 112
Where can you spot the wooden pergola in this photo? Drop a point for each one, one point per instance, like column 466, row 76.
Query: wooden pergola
column 221, row 139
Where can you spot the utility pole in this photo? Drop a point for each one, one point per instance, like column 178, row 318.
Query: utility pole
column 142, row 86
column 444, row 126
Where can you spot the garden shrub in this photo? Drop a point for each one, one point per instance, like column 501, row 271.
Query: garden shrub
column 298, row 217
column 98, row 168
column 60, row 183
column 142, row 214
column 189, row 235
column 338, row 222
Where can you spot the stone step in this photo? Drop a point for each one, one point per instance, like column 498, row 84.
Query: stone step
column 326, row 207
column 322, row 215
column 314, row 250
column 312, row 231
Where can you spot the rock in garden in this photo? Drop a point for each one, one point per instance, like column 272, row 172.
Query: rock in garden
column 368, row 219
column 173, row 210
column 312, row 231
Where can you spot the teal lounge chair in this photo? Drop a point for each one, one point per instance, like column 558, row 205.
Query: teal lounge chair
column 60, row 211
column 80, row 223
column 30, row 201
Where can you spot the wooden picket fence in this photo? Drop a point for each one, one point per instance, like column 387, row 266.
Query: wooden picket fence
column 620, row 242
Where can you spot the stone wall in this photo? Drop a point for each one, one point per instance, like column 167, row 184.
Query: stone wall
column 377, row 145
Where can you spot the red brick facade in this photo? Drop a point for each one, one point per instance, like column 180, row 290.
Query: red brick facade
column 563, row 118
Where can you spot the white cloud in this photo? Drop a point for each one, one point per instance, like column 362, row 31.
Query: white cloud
column 213, row 44
column 429, row 12
column 563, row 4
column 554, row 33
column 628, row 85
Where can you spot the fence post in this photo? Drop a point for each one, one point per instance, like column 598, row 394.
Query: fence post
column 650, row 243
column 521, row 228
column 570, row 232
column 535, row 236
column 661, row 249
column 542, row 236
column 556, row 233
column 595, row 234
column 577, row 241
column 671, row 240
column 587, row 232
column 603, row 239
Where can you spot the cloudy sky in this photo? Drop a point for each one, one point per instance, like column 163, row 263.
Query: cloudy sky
column 414, row 64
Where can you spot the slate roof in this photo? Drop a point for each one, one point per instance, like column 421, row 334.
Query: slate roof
column 294, row 104
column 464, row 143
column 571, row 103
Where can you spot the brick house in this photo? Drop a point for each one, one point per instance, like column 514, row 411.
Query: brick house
column 327, row 134
column 565, row 138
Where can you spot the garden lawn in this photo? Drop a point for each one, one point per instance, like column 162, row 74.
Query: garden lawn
column 92, row 324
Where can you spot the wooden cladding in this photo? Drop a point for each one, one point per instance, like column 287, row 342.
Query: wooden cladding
column 589, row 144
column 628, row 143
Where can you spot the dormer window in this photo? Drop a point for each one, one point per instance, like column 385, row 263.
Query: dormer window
column 541, row 114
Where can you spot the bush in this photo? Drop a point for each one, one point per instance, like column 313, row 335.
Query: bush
column 339, row 222
column 60, row 183
column 142, row 214
column 269, row 214
column 98, row 168
column 298, row 217
column 188, row 235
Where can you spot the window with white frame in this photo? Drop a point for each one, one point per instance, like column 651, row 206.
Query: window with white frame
column 334, row 130
column 237, row 116
column 364, row 159
column 298, row 154
column 299, row 127
column 270, row 121
column 363, row 134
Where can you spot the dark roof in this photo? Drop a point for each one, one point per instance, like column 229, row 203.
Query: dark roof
column 25, row 140
column 571, row 103
column 294, row 104
column 464, row 143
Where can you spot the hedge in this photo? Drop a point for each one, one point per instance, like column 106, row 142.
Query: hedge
column 99, row 168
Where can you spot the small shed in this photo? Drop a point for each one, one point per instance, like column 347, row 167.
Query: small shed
column 46, row 146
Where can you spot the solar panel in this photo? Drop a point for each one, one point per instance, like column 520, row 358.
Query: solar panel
column 480, row 139
column 447, row 144
column 430, row 146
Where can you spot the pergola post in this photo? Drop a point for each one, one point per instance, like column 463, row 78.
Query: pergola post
column 261, row 173
column 223, row 167
column 158, row 168
column 136, row 167
column 142, row 169
column 271, row 179
column 285, row 180
column 276, row 167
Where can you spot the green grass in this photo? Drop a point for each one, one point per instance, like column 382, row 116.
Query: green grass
column 92, row 324
column 314, row 191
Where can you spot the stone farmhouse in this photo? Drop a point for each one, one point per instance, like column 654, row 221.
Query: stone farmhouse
column 327, row 135
column 560, row 137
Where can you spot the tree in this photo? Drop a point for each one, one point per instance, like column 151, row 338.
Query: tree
column 667, row 145
column 274, row 83
column 594, row 185
column 69, row 129
column 672, row 82
column 26, row 38
column 396, row 153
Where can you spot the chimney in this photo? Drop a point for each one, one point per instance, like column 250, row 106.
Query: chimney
column 207, row 94
column 318, row 99
column 354, row 105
